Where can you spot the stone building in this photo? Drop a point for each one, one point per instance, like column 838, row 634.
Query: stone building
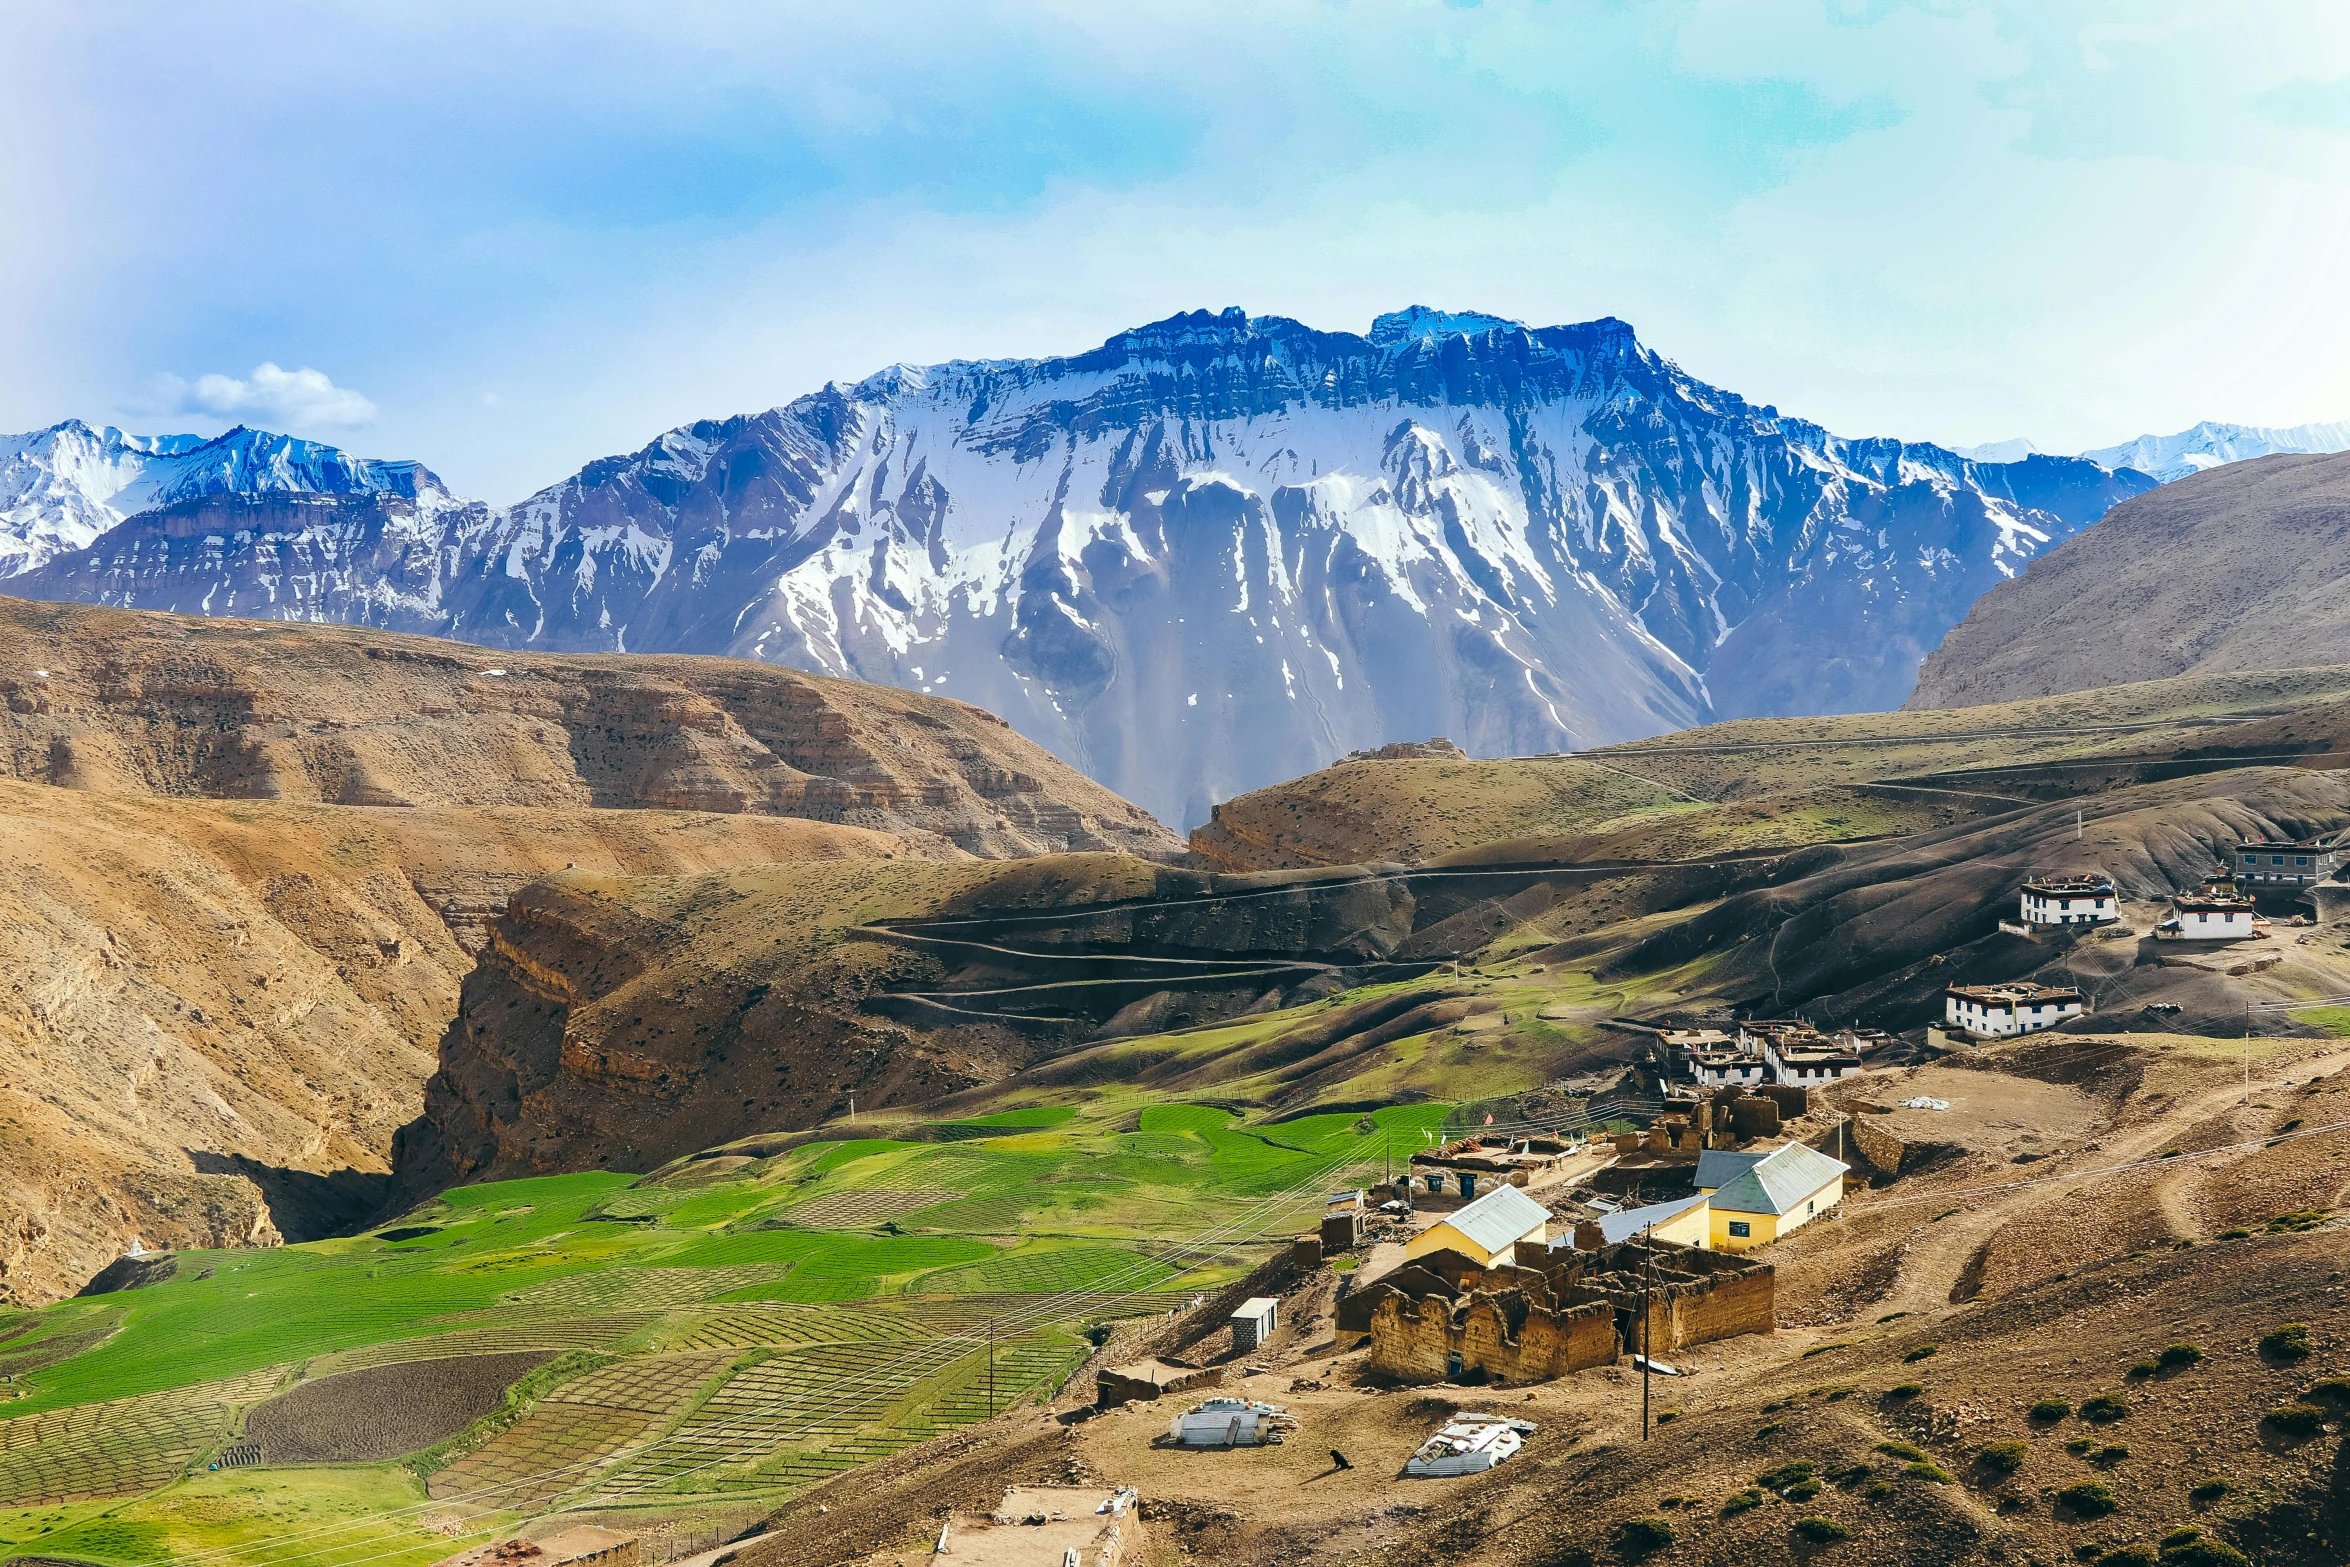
column 1556, row 1310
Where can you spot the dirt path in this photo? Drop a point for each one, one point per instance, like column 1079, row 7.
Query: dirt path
column 1938, row 1253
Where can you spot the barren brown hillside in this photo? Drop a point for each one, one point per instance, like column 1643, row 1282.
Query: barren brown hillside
column 2237, row 568
column 218, row 1013
column 120, row 702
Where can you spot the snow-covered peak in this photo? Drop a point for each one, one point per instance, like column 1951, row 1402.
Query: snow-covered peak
column 2213, row 443
column 60, row 488
column 2014, row 449
column 1420, row 322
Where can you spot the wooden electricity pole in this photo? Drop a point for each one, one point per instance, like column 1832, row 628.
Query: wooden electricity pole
column 1647, row 1364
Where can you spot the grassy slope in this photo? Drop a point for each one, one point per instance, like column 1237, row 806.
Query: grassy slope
column 741, row 1253
column 1749, row 784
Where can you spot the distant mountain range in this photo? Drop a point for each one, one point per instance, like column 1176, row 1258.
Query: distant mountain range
column 2168, row 457
column 63, row 487
column 1217, row 551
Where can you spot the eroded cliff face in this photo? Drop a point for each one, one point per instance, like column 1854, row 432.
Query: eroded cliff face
column 126, row 703
column 622, row 1022
column 214, row 1015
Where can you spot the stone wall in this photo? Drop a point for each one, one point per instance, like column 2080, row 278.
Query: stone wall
column 1577, row 1309
column 1501, row 1336
column 1877, row 1145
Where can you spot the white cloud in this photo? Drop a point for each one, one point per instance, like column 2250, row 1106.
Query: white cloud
column 272, row 396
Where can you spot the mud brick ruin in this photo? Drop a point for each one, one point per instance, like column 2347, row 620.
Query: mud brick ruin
column 1554, row 1311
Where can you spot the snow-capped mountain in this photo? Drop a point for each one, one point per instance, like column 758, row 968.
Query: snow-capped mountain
column 2211, row 444
column 1214, row 552
column 2013, row 449
column 62, row 487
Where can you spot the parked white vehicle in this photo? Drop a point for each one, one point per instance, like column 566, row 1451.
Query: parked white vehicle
column 1469, row 1444
column 1232, row 1422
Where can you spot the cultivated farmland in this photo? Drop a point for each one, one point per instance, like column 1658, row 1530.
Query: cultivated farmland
column 724, row 1332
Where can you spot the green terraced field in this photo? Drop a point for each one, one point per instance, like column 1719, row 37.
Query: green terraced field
column 751, row 1327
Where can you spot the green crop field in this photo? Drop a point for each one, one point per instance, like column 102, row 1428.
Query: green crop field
column 729, row 1330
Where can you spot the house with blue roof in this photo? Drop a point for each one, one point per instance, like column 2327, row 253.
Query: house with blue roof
column 1754, row 1198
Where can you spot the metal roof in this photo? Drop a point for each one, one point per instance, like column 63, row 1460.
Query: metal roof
column 1779, row 1180
column 1501, row 1216
column 1615, row 1228
column 1258, row 1306
column 1719, row 1167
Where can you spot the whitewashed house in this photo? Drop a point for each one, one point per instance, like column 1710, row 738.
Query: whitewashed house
column 2070, row 900
column 2208, row 916
column 1808, row 1063
column 1720, row 1068
column 1996, row 1011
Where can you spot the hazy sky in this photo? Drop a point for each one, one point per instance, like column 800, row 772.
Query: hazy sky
column 508, row 238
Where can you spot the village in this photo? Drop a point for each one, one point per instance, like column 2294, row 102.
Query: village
column 1510, row 1265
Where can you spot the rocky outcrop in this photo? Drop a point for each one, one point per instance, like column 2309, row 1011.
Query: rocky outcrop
column 214, row 1015
column 128, row 703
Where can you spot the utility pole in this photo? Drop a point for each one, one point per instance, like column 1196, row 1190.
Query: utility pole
column 991, row 1368
column 1647, row 1364
column 852, row 1109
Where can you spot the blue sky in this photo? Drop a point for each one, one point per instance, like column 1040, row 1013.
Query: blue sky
column 506, row 239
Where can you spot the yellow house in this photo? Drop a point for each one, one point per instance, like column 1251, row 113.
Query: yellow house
column 1686, row 1221
column 1756, row 1198
column 1487, row 1230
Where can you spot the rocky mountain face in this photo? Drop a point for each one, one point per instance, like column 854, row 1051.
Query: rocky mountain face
column 1215, row 552
column 63, row 487
column 2239, row 568
column 129, row 703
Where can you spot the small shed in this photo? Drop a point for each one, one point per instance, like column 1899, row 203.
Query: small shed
column 1255, row 1321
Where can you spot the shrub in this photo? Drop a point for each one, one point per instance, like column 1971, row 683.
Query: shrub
column 2295, row 1419
column 2204, row 1553
column 2180, row 1536
column 1665, row 1417
column 2050, row 1409
column 2107, row 1457
column 2287, row 1342
column 1822, row 1349
column 2004, row 1457
column 1877, row 1490
column 2235, row 1235
column 1905, row 1390
column 1850, row 1474
column 2332, row 1389
column 2088, row 1498
column 2105, row 1408
column 1803, row 1490
column 2293, row 1223
column 1773, row 1429
column 2144, row 1368
column 1922, row 1352
column 1821, row 1531
column 2135, row 1554
column 1642, row 1535
column 1786, row 1475
column 1742, row 1502
column 1900, row 1450
column 1926, row 1469
column 1776, row 1405
column 2079, row 1445
column 2175, row 1357
column 2208, row 1491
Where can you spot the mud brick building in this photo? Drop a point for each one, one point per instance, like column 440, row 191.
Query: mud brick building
column 1555, row 1310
